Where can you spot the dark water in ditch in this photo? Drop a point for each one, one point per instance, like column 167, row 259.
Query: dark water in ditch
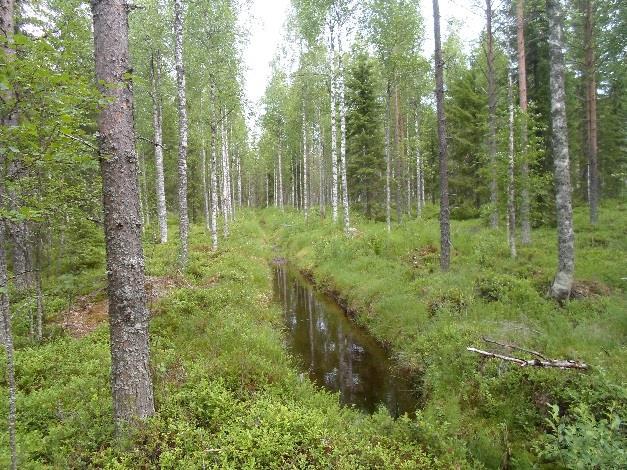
column 335, row 352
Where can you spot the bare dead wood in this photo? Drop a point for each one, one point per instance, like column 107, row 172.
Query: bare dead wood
column 513, row 346
column 556, row 363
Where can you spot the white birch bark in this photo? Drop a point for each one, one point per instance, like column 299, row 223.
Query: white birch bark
column 183, row 132
column 388, row 166
column 305, row 154
column 342, row 104
column 226, row 197
column 157, row 123
column 280, row 177
column 334, row 188
column 511, row 208
column 563, row 281
column 213, row 168
column 419, row 191
column 205, row 188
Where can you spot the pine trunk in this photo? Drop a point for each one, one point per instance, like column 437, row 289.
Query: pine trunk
column 445, row 229
column 591, row 111
column 183, row 132
column 128, row 316
column 566, row 237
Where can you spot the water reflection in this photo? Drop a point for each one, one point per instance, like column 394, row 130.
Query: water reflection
column 336, row 353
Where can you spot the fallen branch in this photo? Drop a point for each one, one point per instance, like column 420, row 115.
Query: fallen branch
column 513, row 346
column 557, row 363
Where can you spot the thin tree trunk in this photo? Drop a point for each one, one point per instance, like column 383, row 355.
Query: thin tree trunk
column 305, row 152
column 445, row 229
column 183, row 132
column 6, row 338
column 7, row 27
column 226, row 197
column 566, row 237
column 397, row 155
column 388, row 164
column 591, row 111
column 334, row 188
column 157, row 122
column 238, row 168
column 522, row 91
column 280, row 176
column 342, row 103
column 205, row 187
column 128, row 316
column 213, row 168
column 511, row 195
column 419, row 189
column 494, row 218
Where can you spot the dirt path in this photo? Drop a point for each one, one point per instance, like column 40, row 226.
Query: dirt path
column 87, row 313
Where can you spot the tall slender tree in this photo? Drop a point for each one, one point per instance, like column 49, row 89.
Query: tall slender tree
column 522, row 95
column 445, row 229
column 511, row 184
column 563, row 281
column 131, row 382
column 494, row 218
column 183, row 132
column 162, row 214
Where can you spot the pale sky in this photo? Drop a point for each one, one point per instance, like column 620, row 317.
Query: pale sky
column 268, row 18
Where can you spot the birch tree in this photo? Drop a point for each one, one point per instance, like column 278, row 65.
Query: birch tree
column 162, row 215
column 131, row 382
column 511, row 184
column 183, row 132
column 491, row 117
column 563, row 281
column 522, row 92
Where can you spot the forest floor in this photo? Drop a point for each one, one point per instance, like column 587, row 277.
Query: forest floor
column 495, row 412
column 228, row 395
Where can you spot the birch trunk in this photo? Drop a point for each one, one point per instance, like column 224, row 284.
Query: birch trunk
column 205, row 188
column 397, row 156
column 128, row 316
column 6, row 339
column 511, row 195
column 226, row 197
column 280, row 177
column 345, row 202
column 334, row 195
column 522, row 92
column 7, row 27
column 419, row 192
column 388, row 164
column 445, row 230
column 591, row 111
column 566, row 238
column 213, row 168
column 494, row 217
column 305, row 152
column 183, row 132
column 157, row 123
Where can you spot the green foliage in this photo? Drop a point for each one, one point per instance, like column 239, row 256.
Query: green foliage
column 583, row 441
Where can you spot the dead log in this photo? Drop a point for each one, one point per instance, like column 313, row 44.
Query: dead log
column 556, row 363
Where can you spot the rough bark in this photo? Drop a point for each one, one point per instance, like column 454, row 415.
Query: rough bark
column 494, row 219
column 522, row 94
column 342, row 103
column 445, row 229
column 128, row 316
column 157, row 122
column 591, row 110
column 183, row 132
column 511, row 191
column 334, row 188
column 566, row 237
